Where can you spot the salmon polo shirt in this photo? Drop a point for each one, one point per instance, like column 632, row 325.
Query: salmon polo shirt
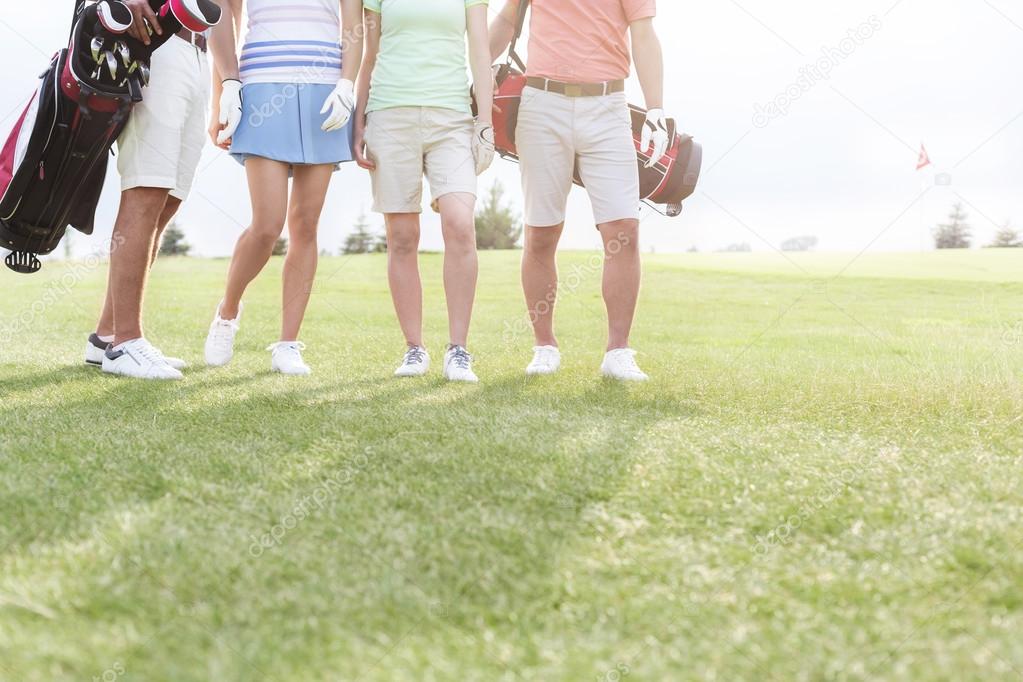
column 583, row 41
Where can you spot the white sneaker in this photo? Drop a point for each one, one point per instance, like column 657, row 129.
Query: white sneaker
column 220, row 340
column 620, row 364
column 286, row 358
column 458, row 365
column 415, row 363
column 138, row 359
column 546, row 360
column 176, row 363
column 96, row 348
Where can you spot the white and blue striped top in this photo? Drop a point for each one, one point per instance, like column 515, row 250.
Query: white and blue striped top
column 292, row 41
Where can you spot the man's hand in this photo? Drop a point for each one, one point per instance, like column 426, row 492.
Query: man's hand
column 230, row 111
column 655, row 133
column 340, row 103
column 483, row 146
column 141, row 14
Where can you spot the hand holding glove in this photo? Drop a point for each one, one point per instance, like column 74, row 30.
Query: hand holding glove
column 340, row 103
column 483, row 146
column 230, row 109
column 655, row 133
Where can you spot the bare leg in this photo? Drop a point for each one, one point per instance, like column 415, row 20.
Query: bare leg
column 131, row 249
column 540, row 280
column 461, row 263
column 309, row 190
column 106, row 318
column 403, row 274
column 622, row 272
column 268, row 191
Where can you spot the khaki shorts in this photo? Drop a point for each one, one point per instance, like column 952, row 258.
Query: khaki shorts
column 163, row 141
column 555, row 133
column 407, row 142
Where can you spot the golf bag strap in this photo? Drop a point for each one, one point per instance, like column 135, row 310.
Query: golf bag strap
column 79, row 6
column 520, row 23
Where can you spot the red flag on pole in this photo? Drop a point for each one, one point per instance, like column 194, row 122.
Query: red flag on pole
column 924, row 159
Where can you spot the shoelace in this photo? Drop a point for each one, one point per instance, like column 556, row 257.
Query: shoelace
column 413, row 356
column 223, row 332
column 460, row 357
column 146, row 352
column 628, row 358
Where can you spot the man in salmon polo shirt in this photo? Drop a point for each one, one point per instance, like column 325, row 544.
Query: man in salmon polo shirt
column 574, row 111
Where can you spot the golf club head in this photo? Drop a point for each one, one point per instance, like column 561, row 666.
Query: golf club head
column 96, row 46
column 114, row 16
column 122, row 49
column 111, row 65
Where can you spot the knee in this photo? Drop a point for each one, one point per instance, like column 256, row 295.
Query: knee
column 266, row 231
column 541, row 243
column 302, row 228
column 403, row 245
column 460, row 237
column 621, row 236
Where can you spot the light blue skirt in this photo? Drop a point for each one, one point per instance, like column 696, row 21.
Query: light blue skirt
column 281, row 121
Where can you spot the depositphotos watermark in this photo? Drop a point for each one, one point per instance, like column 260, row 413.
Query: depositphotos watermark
column 813, row 73
column 567, row 285
column 56, row 289
column 312, row 501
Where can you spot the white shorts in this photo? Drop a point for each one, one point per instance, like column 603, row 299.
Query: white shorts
column 163, row 141
column 556, row 133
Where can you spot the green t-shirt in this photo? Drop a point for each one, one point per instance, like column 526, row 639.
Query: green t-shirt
column 422, row 59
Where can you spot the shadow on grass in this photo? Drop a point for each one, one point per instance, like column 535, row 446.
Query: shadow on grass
column 468, row 497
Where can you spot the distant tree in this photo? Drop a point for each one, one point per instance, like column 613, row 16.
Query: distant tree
column 280, row 247
column 736, row 248
column 68, row 248
column 1007, row 237
column 693, row 249
column 497, row 225
column 174, row 243
column 362, row 239
column 955, row 234
column 804, row 243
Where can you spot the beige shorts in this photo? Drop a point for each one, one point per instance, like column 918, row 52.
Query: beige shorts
column 555, row 133
column 407, row 142
column 163, row 141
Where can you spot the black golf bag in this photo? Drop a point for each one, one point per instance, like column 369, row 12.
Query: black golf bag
column 53, row 164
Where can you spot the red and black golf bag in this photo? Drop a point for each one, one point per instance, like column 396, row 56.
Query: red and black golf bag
column 670, row 181
column 54, row 162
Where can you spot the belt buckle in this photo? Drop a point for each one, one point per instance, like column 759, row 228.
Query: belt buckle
column 573, row 90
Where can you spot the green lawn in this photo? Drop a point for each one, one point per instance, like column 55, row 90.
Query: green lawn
column 821, row 481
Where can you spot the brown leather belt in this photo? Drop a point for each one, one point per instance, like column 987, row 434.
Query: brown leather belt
column 576, row 89
column 197, row 39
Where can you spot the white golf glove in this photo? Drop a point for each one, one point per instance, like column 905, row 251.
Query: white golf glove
column 483, row 147
column 340, row 104
column 655, row 132
column 230, row 109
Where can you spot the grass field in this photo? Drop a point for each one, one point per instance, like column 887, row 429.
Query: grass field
column 821, row 481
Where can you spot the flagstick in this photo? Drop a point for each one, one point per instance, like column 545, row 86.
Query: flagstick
column 923, row 226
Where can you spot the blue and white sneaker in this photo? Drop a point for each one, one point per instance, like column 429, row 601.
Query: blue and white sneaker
column 458, row 365
column 415, row 363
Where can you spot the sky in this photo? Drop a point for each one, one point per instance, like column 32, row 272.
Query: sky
column 811, row 116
